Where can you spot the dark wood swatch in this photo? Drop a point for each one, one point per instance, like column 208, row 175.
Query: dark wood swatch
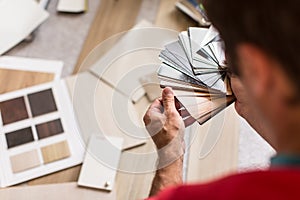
column 49, row 129
column 13, row 110
column 19, row 137
column 42, row 102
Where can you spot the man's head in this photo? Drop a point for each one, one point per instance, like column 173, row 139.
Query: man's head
column 272, row 26
column 262, row 39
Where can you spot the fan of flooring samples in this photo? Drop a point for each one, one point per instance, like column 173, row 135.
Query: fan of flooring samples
column 195, row 68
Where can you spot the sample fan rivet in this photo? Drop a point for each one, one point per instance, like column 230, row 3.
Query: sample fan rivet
column 107, row 184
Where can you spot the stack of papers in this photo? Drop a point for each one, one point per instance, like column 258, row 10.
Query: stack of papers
column 195, row 68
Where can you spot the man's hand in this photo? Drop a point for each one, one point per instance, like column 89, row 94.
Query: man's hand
column 246, row 109
column 163, row 121
column 166, row 128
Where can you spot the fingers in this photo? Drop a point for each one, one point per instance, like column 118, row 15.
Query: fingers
column 168, row 100
column 155, row 107
column 171, row 104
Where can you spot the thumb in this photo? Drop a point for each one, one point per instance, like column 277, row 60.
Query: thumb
column 168, row 100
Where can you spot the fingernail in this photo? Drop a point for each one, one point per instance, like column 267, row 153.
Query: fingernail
column 167, row 91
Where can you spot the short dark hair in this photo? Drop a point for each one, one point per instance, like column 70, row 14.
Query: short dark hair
column 273, row 26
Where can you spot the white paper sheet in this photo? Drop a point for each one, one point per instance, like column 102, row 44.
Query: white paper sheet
column 18, row 18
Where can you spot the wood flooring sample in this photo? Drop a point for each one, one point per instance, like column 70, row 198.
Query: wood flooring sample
column 55, row 152
column 24, row 161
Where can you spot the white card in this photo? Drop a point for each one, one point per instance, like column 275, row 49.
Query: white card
column 73, row 6
column 18, row 18
column 101, row 162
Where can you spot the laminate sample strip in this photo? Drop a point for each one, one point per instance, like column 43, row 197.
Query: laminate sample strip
column 42, row 102
column 19, row 137
column 13, row 110
column 48, row 129
column 55, row 152
column 24, row 161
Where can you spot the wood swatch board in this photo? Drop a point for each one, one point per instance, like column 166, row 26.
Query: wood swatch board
column 23, row 113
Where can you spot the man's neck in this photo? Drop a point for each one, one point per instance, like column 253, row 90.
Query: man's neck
column 288, row 132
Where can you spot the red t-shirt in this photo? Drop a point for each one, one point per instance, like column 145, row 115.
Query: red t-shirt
column 271, row 184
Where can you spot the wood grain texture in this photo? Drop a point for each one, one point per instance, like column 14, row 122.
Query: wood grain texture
column 19, row 137
column 48, row 129
column 55, row 191
column 24, row 161
column 222, row 158
column 14, row 79
column 169, row 17
column 67, row 175
column 13, row 110
column 131, row 173
column 42, row 102
column 94, row 102
column 55, row 152
column 113, row 16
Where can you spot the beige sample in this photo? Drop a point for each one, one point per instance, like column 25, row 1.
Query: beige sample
column 55, row 152
column 24, row 161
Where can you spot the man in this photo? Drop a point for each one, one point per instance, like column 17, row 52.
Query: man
column 262, row 39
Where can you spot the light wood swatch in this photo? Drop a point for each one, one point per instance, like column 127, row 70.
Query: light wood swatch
column 15, row 79
column 24, row 161
column 55, row 152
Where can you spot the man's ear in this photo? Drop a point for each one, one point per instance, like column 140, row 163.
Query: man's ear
column 255, row 68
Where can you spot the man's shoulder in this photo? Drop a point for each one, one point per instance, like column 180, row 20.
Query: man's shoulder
column 270, row 184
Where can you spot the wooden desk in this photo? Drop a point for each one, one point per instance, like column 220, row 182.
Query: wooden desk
column 114, row 17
